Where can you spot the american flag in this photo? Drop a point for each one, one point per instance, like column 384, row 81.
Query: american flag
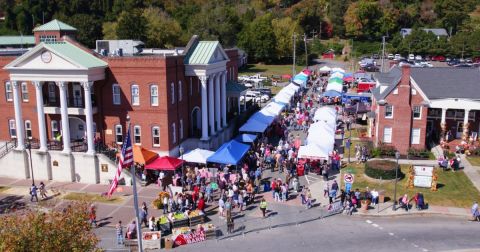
column 126, row 160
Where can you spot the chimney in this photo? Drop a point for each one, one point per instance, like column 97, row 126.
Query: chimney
column 405, row 81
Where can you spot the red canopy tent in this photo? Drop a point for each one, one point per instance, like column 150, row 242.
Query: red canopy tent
column 165, row 163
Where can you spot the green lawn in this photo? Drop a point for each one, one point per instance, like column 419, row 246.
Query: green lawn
column 474, row 160
column 454, row 188
column 90, row 197
column 268, row 70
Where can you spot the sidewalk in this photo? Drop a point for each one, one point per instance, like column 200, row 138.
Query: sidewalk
column 472, row 172
column 387, row 211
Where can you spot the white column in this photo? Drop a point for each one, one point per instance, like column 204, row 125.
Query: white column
column 203, row 80
column 239, row 106
column 18, row 116
column 218, row 79
column 465, row 117
column 211, row 82
column 41, row 115
column 224, row 98
column 444, row 114
column 63, row 86
column 87, row 86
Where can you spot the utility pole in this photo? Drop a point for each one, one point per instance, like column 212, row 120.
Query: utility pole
column 383, row 54
column 353, row 63
column 294, row 49
column 306, row 53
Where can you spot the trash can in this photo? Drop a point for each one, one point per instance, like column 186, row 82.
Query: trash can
column 381, row 196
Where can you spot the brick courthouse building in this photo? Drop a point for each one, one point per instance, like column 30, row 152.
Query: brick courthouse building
column 417, row 107
column 64, row 98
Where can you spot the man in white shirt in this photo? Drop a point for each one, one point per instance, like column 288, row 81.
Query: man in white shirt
column 374, row 194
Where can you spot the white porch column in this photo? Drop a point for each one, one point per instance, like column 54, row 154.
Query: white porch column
column 18, row 116
column 41, row 115
column 465, row 125
column 63, row 86
column 443, row 124
column 211, row 105
column 218, row 79
column 223, row 81
column 89, row 116
column 203, row 80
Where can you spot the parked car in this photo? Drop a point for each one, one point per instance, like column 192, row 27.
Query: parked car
column 438, row 58
column 247, row 84
column 265, row 91
column 448, row 59
column 418, row 57
column 375, row 56
column 469, row 60
column 428, row 58
column 371, row 68
column 390, row 56
column 464, row 65
column 397, row 57
column 411, row 57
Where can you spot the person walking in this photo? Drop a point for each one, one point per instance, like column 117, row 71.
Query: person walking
column 43, row 191
column 144, row 214
column 33, row 192
column 119, row 231
column 475, row 212
column 93, row 215
column 263, row 207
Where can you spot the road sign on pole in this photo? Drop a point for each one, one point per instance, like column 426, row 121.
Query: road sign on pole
column 348, row 178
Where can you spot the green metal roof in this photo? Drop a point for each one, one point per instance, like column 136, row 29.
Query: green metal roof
column 75, row 54
column 234, row 88
column 17, row 40
column 201, row 53
column 55, row 25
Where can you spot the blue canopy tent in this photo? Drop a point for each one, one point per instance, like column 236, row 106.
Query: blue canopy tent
column 253, row 126
column 246, row 138
column 263, row 118
column 367, row 97
column 229, row 153
column 331, row 93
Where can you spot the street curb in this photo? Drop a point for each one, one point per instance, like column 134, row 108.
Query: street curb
column 412, row 214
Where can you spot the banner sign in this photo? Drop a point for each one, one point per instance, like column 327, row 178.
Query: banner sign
column 194, row 237
column 422, row 181
column 423, row 170
column 423, row 176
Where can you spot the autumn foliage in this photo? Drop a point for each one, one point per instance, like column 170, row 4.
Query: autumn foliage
column 56, row 230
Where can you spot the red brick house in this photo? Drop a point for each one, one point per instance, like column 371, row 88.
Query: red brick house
column 415, row 107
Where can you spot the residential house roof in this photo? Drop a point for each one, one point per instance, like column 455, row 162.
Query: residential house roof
column 436, row 31
column 201, row 53
column 388, row 80
column 55, row 25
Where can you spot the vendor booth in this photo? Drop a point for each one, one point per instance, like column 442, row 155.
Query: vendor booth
column 230, row 152
column 165, row 163
column 198, row 155
column 246, row 138
column 253, row 126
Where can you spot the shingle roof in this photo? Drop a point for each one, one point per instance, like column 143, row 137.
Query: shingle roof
column 201, row 53
column 234, row 88
column 436, row 31
column 55, row 25
column 389, row 79
column 17, row 40
column 446, row 82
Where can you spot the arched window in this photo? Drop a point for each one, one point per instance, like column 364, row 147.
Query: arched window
column 137, row 135
column 154, row 95
column 116, row 94
column 156, row 136
column 135, row 95
column 28, row 129
column 180, row 91
column 172, row 92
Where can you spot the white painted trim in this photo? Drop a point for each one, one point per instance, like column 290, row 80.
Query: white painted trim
column 451, row 103
column 419, row 90
column 385, row 112
column 421, row 108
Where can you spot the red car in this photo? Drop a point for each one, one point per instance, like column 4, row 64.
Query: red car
column 438, row 58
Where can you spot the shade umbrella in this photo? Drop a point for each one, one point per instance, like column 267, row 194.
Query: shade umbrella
column 142, row 155
column 165, row 163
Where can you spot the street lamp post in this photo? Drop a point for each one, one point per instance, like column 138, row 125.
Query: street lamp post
column 397, row 156
column 29, row 147
column 181, row 150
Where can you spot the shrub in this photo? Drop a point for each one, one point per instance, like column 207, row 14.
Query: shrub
column 422, row 153
column 384, row 169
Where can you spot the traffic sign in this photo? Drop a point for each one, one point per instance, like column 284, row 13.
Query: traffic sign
column 348, row 178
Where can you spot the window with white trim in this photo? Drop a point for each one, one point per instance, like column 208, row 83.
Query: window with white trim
column 417, row 112
column 388, row 111
column 12, row 128
column 415, row 136
column 24, row 92
column 174, row 133
column 154, row 95
column 28, row 129
column 395, row 91
column 414, row 91
column 8, row 91
column 181, row 129
column 387, row 135
column 135, row 95
column 116, row 94
column 55, row 131
column 51, row 92
column 172, row 92
column 156, row 136
column 137, row 135
column 180, row 91
column 48, row 38
column 118, row 134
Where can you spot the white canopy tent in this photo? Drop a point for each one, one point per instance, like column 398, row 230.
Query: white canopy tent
column 321, row 137
column 335, row 87
column 197, row 156
column 273, row 108
column 325, row 69
column 325, row 113
column 336, row 75
column 282, row 97
column 312, row 151
column 338, row 69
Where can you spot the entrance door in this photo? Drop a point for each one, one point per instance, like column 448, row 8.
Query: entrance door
column 77, row 96
column 459, row 130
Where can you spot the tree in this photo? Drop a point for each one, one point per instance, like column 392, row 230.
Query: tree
column 453, row 13
column 283, row 29
column 89, row 28
column 362, row 19
column 336, row 11
column 131, row 25
column 258, row 39
column 109, row 30
column 55, row 230
column 162, row 31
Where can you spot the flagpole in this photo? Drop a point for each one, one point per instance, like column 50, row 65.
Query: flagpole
column 135, row 198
